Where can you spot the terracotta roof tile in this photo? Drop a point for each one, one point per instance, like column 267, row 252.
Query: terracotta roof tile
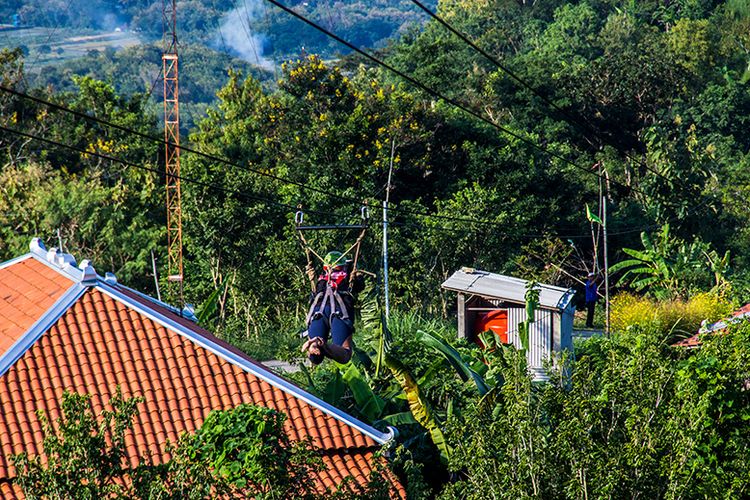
column 27, row 289
column 100, row 343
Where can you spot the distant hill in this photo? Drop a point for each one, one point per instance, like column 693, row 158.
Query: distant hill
column 252, row 29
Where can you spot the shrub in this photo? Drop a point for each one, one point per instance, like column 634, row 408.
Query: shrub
column 680, row 316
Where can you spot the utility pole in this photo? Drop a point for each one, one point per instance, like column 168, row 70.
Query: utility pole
column 172, row 147
column 385, row 231
column 606, row 264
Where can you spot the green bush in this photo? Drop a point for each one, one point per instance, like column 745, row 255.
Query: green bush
column 682, row 317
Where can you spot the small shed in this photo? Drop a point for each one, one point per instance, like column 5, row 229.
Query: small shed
column 489, row 301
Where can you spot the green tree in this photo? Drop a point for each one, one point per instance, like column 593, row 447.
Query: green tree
column 84, row 455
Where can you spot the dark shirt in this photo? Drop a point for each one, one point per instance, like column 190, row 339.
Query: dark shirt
column 591, row 288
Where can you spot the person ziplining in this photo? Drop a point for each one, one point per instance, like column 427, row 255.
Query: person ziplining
column 331, row 313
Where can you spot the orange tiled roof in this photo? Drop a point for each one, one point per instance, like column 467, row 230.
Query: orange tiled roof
column 741, row 314
column 110, row 336
column 27, row 289
column 689, row 342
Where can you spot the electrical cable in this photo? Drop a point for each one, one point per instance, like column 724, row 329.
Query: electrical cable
column 396, row 210
column 441, row 96
column 190, row 180
column 570, row 119
column 242, row 194
column 226, row 162
column 293, row 208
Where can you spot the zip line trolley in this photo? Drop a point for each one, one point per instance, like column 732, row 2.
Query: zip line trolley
column 302, row 228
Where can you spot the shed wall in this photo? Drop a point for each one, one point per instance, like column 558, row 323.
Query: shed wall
column 540, row 334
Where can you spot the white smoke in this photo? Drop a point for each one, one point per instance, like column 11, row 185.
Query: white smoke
column 237, row 36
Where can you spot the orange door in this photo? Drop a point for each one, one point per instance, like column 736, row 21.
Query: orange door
column 495, row 321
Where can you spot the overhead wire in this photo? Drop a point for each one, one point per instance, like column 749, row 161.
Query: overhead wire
column 441, row 96
column 223, row 161
column 243, row 194
column 303, row 185
column 449, row 100
column 353, row 201
column 570, row 119
column 293, row 208
column 157, row 171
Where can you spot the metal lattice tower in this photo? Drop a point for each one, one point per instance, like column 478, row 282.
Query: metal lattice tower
column 172, row 138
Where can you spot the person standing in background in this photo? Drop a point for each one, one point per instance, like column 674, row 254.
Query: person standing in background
column 591, row 298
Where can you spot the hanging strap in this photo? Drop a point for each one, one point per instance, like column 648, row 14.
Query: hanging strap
column 356, row 247
column 333, row 299
column 313, row 305
column 342, row 307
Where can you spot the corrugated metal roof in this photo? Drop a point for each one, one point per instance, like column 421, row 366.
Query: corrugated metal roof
column 507, row 288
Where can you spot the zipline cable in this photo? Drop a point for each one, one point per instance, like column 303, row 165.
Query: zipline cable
column 160, row 140
column 570, row 119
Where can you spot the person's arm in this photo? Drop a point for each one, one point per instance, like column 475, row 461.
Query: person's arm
column 339, row 353
column 312, row 275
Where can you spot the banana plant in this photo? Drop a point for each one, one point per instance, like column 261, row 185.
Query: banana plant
column 456, row 361
column 419, row 407
column 650, row 267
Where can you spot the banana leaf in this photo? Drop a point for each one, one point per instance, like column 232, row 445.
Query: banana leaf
column 207, row 310
column 420, row 408
column 455, row 359
column 334, row 389
column 403, row 418
column 369, row 404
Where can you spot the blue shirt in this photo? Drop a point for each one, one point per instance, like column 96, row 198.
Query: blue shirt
column 591, row 291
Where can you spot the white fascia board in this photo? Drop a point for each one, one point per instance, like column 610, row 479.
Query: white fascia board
column 261, row 373
column 41, row 325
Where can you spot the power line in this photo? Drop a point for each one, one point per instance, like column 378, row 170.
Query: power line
column 572, row 120
column 244, row 194
column 158, row 171
column 293, row 208
column 441, row 96
column 354, row 201
column 226, row 162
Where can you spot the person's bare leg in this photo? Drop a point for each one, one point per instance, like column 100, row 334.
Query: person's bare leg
column 339, row 353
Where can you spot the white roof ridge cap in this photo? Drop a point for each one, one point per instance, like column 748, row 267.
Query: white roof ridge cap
column 63, row 263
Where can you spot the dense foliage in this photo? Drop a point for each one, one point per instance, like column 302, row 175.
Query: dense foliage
column 243, row 452
column 635, row 418
column 651, row 95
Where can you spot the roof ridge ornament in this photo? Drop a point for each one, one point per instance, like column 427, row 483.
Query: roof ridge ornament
column 37, row 246
column 89, row 273
column 65, row 262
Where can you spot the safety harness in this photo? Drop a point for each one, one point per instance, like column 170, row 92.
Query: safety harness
column 331, row 296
